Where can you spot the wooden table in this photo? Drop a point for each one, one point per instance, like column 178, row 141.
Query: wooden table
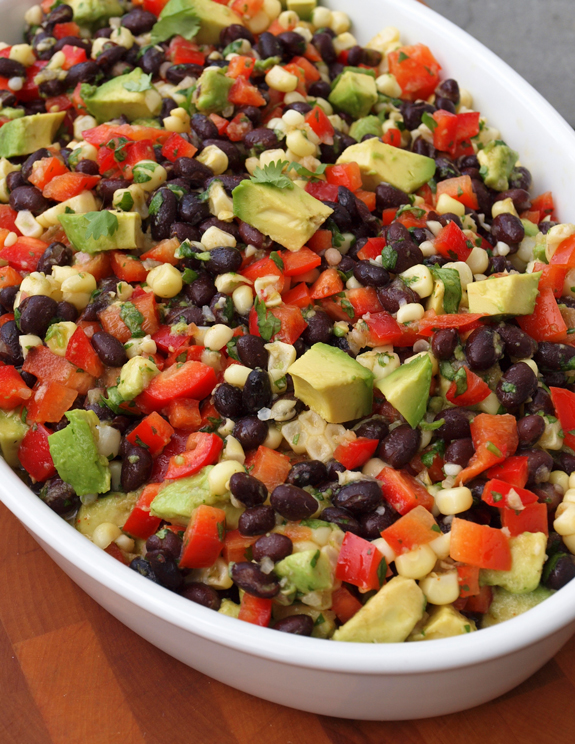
column 70, row 673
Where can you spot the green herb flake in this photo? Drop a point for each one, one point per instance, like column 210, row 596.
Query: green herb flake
column 133, row 318
column 268, row 324
column 388, row 258
column 429, row 121
column 305, row 173
column 101, row 224
column 431, row 425
column 493, row 449
column 277, row 259
column 381, row 572
column 271, row 175
column 189, row 276
column 452, row 287
column 436, row 528
column 315, row 559
column 402, row 57
column 139, row 86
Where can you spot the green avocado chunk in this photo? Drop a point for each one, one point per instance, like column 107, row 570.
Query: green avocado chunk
column 366, row 125
column 304, row 8
column 514, row 294
column 200, row 20
column 12, row 432
column 506, row 606
column 379, row 163
column 177, row 500
column 387, row 617
column 307, row 571
column 211, row 94
column 76, row 457
column 497, row 161
column 27, row 134
column 354, row 93
column 125, row 236
column 131, row 95
column 443, row 622
column 407, row 388
column 333, row 384
column 95, row 13
column 528, row 555
column 114, row 508
column 288, row 216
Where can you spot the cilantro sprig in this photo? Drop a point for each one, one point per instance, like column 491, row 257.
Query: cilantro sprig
column 268, row 324
column 101, row 224
column 272, row 175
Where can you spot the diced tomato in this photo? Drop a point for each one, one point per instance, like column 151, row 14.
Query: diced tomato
column 239, row 126
column 204, row 537
column 328, row 283
column 392, row 137
column 255, row 610
column 344, row 604
column 68, row 185
column 44, row 170
column 348, row 175
column 513, row 470
column 320, row 240
column 103, row 133
column 324, row 192
column 49, row 367
column 135, row 153
column 499, row 493
column 50, row 403
column 359, row 563
column 13, row 389
column 74, row 56
column 494, row 438
column 388, row 215
column 367, row 197
column 164, row 252
column 127, row 267
column 476, row 390
column 184, row 413
column 479, row 545
column 564, row 402
column 154, row 6
column 416, row 71
column 460, row 189
column 9, row 277
column 190, row 380
column 451, row 243
column 269, row 466
column 552, row 276
column 403, row 491
column 299, row 262
column 310, row 71
column 363, row 300
column 177, row 147
column 481, row 602
column 545, row 323
column 25, row 254
column 154, row 433
column 247, row 8
column 298, row 296
column 169, row 342
column 141, row 523
column 58, row 103
column 98, row 265
column 564, row 255
column 263, row 267
column 321, row 125
column 192, row 353
column 292, row 323
column 468, row 577
column 445, row 132
column 243, row 93
column 8, row 218
column 417, row 527
column 356, row 453
column 237, row 547
column 240, row 65
column 182, row 52
column 34, row 453
column 544, row 204
column 533, row 518
column 383, row 329
column 462, row 321
column 372, row 249
column 221, row 123
column 80, row 353
column 6, row 318
column 201, row 449
column 66, row 29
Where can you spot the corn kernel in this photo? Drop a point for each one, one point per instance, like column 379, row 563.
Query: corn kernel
column 288, row 18
column 272, row 8
column 465, row 273
column 340, row 22
column 420, row 280
column 279, row 79
column 274, row 437
column 105, row 533
column 214, row 158
column 165, row 281
column 58, row 336
column 561, row 479
column 454, row 500
column 416, row 563
column 22, row 53
column 447, row 203
column 178, row 121
column 410, row 312
column 218, row 336
column 505, row 206
column 258, row 23
column 28, row 225
column 243, row 299
column 321, row 17
column 216, row 238
column 564, row 524
column 28, row 341
column 387, row 85
column 219, row 476
column 299, row 144
column 149, row 175
column 236, row 375
column 441, row 545
column 83, row 123
column 233, row 450
column 478, row 260
column 123, row 37
column 440, row 588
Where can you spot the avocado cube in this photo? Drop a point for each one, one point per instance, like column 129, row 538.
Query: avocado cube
column 307, row 571
column 212, row 17
column 12, row 432
column 514, row 294
column 76, row 457
column 177, row 500
column 127, row 236
column 304, row 8
column 354, row 93
column 379, row 163
column 27, row 134
column 387, row 617
column 288, row 216
column 211, row 95
column 333, row 384
column 365, row 125
column 497, row 161
column 407, row 388
column 95, row 13
column 114, row 508
column 129, row 95
column 444, row 622
column 528, row 557
column 506, row 605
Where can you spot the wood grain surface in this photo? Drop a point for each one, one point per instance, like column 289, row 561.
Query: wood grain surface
column 70, row 673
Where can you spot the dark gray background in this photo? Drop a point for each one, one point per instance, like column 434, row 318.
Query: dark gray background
column 536, row 37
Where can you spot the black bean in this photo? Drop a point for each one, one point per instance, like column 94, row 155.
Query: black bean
column 407, row 253
column 252, row 112
column 484, row 196
column 300, row 106
column 139, row 21
column 400, row 446
column 445, row 104
column 228, row 401
column 498, row 264
column 224, row 260
column 256, row 520
column 183, row 314
column 222, row 308
column 108, row 186
column 235, row 32
column 507, row 228
column 343, row 518
column 372, row 525
column 165, row 569
column 395, row 295
column 530, row 429
column 61, row 14
column 547, row 494
column 517, row 384
column 235, row 160
column 54, row 87
column 373, row 428
column 483, row 348
column 518, row 344
column 182, row 231
column 10, row 349
column 112, row 54
column 295, row 624
column 165, row 210
column 59, row 496
column 562, row 573
column 324, row 45
column 412, row 113
column 250, row 432
column 228, row 227
column 29, row 198
column 459, row 452
column 319, row 89
column 261, row 139
column 204, row 127
column 136, row 468
column 423, row 147
column 121, row 423
column 15, row 179
column 555, row 356
column 520, row 197
column 110, row 351
column 143, row 567
column 449, row 88
column 294, row 44
column 388, row 196
column 192, row 171
column 250, row 578
column 150, row 62
column 269, row 46
column 201, row 291
column 9, row 68
column 565, row 461
column 84, row 72
column 248, row 490
column 166, row 541
column 7, row 297
column 31, row 159
column 444, row 343
column 540, row 465
column 319, row 327
column 520, row 178
column 371, row 275
column 541, row 402
column 176, row 73
column 168, row 105
column 544, row 227
column 89, row 167
column 307, row 473
column 36, row 314
column 456, row 424
column 293, row 503
column 358, row 497
column 201, row 594
column 252, row 352
column 257, row 391
column 274, row 546
column 445, row 168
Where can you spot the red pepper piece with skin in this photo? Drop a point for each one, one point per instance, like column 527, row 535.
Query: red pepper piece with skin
column 154, row 432
column 203, row 538
column 504, row 495
column 451, row 243
column 356, row 453
column 514, row 470
column 80, row 352
column 51, row 401
column 494, row 438
column 534, row 518
column 255, row 610
column 13, row 389
column 190, row 380
column 417, row 527
column 383, row 329
column 201, row 449
column 141, row 523
column 344, row 604
column 476, row 390
column 359, row 563
column 462, row 321
column 468, row 577
column 545, row 322
column 564, row 402
column 34, row 453
column 479, row 545
column 403, row 491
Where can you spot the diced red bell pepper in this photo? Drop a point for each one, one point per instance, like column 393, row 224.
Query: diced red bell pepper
column 68, row 185
column 221, row 123
column 49, row 367
column 451, row 243
column 467, row 127
column 127, row 268
column 462, row 321
column 372, row 249
column 363, row 300
column 164, row 252
column 513, row 470
column 292, row 323
column 417, row 527
column 255, row 610
column 534, row 518
column 552, row 277
column 103, row 133
column 359, row 563
column 494, row 438
column 141, row 523
column 168, row 342
column 298, row 296
column 445, row 132
column 8, row 218
column 154, row 6
column 321, row 239
column 344, row 604
column 145, row 303
column 348, row 175
column 44, row 170
column 299, row 262
column 80, row 352
column 544, row 204
column 98, row 265
column 383, row 329
column 479, row 545
column 545, row 323
column 367, row 197
column 203, row 538
column 263, row 267
column 564, row 402
column 403, row 491
column 416, row 71
column 192, row 353
column 34, row 453
column 476, row 391
column 74, row 56
column 481, row 602
column 51, row 401
column 392, row 137
column 320, row 124
column 239, row 126
column 237, row 547
column 565, row 253
column 468, row 577
column 184, row 413
column 154, row 432
column 25, row 254
column 9, row 277
column 324, row 192
column 201, row 449
column 327, row 284
column 13, row 389
column 356, row 453
column 243, row 93
column 182, row 52
column 190, row 380
column 62, row 30
column 240, row 65
column 460, row 189
column 177, row 147
column 498, row 493
column 269, row 466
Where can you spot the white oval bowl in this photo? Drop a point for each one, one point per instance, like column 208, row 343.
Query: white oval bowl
column 347, row 680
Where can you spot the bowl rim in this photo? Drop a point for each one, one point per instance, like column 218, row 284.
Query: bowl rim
column 506, row 638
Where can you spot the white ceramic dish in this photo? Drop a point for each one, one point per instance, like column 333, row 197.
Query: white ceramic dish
column 384, row 682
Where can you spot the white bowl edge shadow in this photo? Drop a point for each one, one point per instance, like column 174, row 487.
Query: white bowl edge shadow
column 550, row 164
